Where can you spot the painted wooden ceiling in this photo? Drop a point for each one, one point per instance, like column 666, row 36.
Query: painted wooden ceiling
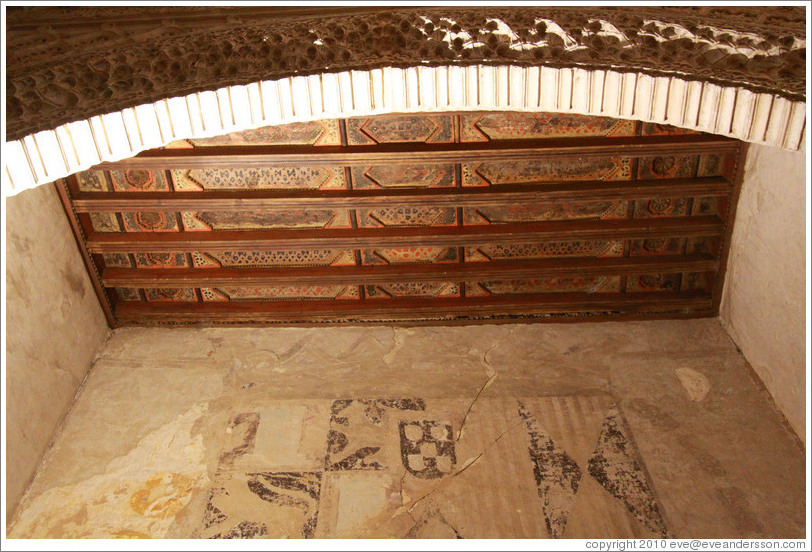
column 418, row 218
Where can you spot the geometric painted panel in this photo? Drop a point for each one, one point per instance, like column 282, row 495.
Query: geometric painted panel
column 405, row 255
column 697, row 281
column 414, row 289
column 661, row 207
column 139, row 180
column 512, row 126
column 255, row 220
column 594, row 248
column 400, row 129
column 92, row 181
column 284, row 257
column 128, row 294
column 117, row 260
column 293, row 291
column 709, row 206
column 666, row 166
column 657, row 129
column 529, row 212
column 160, row 260
column 657, row 246
column 551, row 170
column 150, row 221
column 653, row 282
column 171, row 294
column 287, row 178
column 105, row 222
column 313, row 133
column 408, row 216
column 709, row 165
column 404, row 176
column 708, row 246
column 557, row 284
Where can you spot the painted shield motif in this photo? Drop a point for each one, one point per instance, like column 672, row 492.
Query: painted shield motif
column 427, row 448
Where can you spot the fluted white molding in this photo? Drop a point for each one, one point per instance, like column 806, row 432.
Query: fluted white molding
column 753, row 117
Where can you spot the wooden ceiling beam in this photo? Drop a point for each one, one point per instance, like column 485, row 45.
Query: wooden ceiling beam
column 403, row 309
column 378, row 274
column 422, row 153
column 94, row 202
column 432, row 236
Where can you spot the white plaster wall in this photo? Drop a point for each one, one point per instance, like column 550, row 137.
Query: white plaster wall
column 54, row 326
column 764, row 301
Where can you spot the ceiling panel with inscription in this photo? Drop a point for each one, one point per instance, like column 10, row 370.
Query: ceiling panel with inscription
column 418, row 218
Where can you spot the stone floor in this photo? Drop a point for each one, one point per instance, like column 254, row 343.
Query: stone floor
column 531, row 431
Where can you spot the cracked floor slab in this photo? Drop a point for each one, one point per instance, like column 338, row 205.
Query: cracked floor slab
column 521, row 431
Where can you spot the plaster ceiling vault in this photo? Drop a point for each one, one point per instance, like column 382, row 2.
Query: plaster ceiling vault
column 412, row 218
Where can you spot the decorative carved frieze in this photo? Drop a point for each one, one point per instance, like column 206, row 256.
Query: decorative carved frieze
column 68, row 64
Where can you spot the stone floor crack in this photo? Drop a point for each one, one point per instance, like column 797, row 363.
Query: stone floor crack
column 442, row 518
column 403, row 499
column 398, row 339
column 489, row 369
column 508, row 430
column 470, row 406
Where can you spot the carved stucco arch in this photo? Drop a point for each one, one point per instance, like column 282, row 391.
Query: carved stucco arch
column 117, row 81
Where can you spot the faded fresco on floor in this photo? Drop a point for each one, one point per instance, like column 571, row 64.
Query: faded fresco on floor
column 387, row 467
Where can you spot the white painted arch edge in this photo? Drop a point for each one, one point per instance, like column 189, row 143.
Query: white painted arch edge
column 753, row 117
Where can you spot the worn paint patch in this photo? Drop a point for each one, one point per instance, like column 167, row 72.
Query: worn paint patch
column 263, row 504
column 695, row 383
column 289, row 437
column 127, row 534
column 357, row 432
column 241, row 435
column 614, row 464
column 163, row 495
column 557, row 475
column 139, row 494
column 589, row 476
column 358, row 497
column 433, row 525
